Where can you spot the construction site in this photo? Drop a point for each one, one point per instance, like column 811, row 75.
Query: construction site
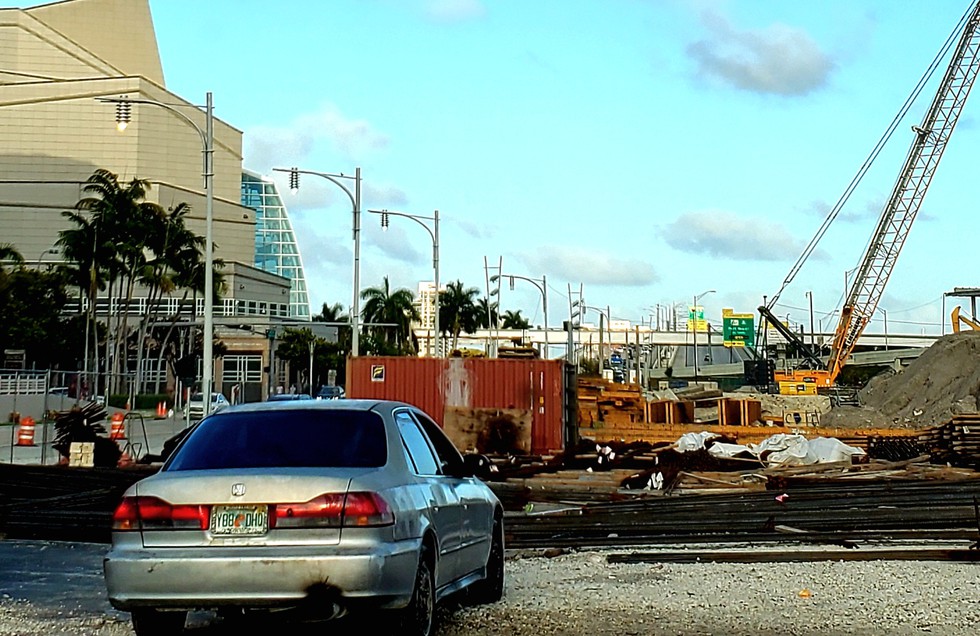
column 793, row 454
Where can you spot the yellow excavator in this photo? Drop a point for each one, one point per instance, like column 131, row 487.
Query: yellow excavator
column 957, row 319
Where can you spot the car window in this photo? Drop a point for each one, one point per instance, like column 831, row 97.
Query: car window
column 416, row 446
column 295, row 438
column 445, row 449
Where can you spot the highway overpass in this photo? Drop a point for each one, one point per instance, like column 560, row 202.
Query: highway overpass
column 676, row 349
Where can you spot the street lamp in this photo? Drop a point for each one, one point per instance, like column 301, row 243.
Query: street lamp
column 434, row 234
column 542, row 286
column 51, row 250
column 123, row 113
column 355, row 199
column 694, row 328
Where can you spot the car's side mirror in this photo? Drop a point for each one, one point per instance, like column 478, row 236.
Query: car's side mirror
column 478, row 465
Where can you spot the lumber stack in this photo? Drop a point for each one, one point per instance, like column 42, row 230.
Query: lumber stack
column 956, row 442
column 617, row 411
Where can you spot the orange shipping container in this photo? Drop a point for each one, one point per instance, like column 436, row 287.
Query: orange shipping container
column 484, row 404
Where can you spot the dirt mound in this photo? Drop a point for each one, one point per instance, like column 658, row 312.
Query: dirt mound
column 942, row 382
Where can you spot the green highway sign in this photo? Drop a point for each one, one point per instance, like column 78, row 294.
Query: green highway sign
column 738, row 330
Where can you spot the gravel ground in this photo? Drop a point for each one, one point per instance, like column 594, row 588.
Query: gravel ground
column 580, row 593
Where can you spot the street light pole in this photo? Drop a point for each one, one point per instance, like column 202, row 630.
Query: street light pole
column 434, row 235
column 208, row 258
column 813, row 340
column 123, row 105
column 694, row 328
column 355, row 199
column 603, row 318
column 542, row 286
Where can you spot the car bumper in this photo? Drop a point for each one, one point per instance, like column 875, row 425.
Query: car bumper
column 203, row 578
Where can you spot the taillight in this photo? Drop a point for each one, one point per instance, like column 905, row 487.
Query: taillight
column 365, row 509
column 153, row 513
column 324, row 511
column 334, row 510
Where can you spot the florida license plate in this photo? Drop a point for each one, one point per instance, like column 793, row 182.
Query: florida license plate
column 239, row 520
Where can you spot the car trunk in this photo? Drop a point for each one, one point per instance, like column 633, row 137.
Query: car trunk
column 219, row 490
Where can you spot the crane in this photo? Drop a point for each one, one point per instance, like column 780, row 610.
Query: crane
column 876, row 265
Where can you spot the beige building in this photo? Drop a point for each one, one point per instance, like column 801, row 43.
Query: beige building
column 56, row 61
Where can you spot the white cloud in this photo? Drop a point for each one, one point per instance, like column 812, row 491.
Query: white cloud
column 588, row 266
column 266, row 147
column 779, row 59
column 479, row 231
column 454, row 10
column 724, row 235
column 395, row 244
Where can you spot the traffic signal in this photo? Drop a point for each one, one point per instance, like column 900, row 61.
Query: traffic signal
column 186, row 368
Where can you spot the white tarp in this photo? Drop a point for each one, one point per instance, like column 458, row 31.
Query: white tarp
column 780, row 450
column 693, row 441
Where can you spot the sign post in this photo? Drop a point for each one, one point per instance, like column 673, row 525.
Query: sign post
column 738, row 330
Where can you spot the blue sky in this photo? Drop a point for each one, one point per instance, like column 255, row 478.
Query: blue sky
column 647, row 150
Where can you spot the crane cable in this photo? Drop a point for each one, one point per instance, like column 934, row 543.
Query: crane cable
column 835, row 211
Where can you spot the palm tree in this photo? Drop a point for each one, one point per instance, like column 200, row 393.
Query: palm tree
column 174, row 250
column 82, row 249
column 120, row 239
column 332, row 313
column 9, row 253
column 392, row 313
column 458, row 310
column 514, row 320
column 336, row 314
column 122, row 225
column 487, row 314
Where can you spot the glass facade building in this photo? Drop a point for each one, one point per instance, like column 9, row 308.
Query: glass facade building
column 276, row 250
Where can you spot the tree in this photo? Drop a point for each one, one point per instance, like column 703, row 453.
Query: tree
column 392, row 314
column 9, row 253
column 295, row 346
column 174, row 251
column 458, row 310
column 119, row 240
column 121, row 224
column 332, row 313
column 333, row 355
column 337, row 314
column 487, row 314
column 31, row 304
column 514, row 320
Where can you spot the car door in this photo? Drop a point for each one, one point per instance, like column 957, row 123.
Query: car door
column 476, row 508
column 439, row 492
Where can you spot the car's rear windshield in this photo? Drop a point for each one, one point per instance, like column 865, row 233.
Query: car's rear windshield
column 289, row 439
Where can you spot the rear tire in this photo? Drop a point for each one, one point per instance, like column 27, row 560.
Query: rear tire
column 151, row 622
column 418, row 617
column 491, row 588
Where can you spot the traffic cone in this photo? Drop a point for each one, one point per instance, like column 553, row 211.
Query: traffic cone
column 118, row 429
column 25, row 434
column 161, row 410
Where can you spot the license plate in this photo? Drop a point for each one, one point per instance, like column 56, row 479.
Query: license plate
column 239, row 520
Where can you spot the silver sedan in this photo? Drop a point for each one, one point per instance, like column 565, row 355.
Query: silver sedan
column 321, row 507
